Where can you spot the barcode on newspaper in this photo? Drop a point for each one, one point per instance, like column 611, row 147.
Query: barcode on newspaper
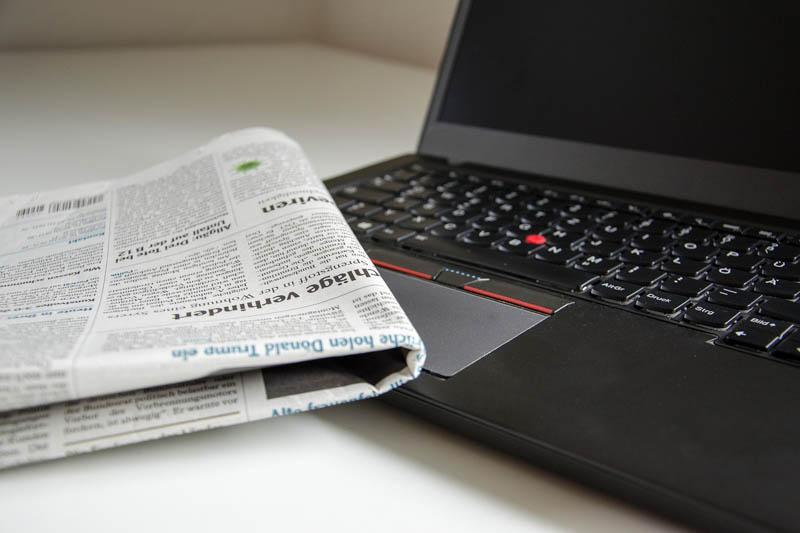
column 63, row 205
column 77, row 203
column 28, row 211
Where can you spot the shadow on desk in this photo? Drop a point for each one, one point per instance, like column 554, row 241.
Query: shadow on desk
column 504, row 478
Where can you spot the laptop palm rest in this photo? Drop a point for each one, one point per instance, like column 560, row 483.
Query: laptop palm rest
column 457, row 328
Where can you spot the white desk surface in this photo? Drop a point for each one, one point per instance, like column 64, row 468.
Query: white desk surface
column 74, row 116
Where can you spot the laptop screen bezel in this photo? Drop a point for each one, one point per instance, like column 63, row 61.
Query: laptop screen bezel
column 743, row 188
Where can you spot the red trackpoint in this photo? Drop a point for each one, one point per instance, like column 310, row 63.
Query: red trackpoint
column 535, row 239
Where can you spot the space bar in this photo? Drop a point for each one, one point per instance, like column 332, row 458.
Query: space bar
column 545, row 273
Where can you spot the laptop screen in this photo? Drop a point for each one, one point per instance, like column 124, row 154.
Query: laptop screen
column 702, row 80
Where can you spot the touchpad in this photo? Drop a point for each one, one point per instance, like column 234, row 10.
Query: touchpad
column 457, row 328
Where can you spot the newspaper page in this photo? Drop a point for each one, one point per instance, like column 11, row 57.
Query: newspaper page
column 219, row 287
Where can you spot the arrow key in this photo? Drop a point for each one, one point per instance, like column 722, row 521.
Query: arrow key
column 752, row 337
column 789, row 348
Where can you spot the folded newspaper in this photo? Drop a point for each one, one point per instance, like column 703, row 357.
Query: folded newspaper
column 220, row 287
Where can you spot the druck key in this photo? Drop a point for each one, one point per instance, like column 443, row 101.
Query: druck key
column 661, row 302
column 553, row 275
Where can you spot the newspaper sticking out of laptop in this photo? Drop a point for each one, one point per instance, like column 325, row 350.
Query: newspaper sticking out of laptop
column 219, row 287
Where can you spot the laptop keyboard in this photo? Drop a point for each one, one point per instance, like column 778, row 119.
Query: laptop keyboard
column 741, row 282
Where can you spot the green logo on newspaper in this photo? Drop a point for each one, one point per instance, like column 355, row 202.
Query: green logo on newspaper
column 248, row 165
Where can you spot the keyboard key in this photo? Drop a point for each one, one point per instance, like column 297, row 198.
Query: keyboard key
column 672, row 216
column 789, row 348
column 655, row 227
column 550, row 193
column 480, row 237
column 640, row 257
column 740, row 244
column 765, row 234
column 342, row 202
column 781, row 309
column 617, row 291
column 651, row 241
column 476, row 192
column 446, row 198
column 601, row 247
column 576, row 224
column 401, row 203
column 695, row 250
column 419, row 223
column 733, row 298
column 386, row 184
column 782, row 251
column 729, row 227
column 781, row 269
column 778, row 327
column 391, row 235
column 613, row 232
column 593, row 213
column 565, row 239
column 695, row 234
column 429, row 209
column 640, row 275
column 497, row 183
column 598, row 265
column 360, row 209
column 703, row 222
column 490, row 222
column 684, row 267
column 576, row 208
column 548, row 204
column 449, row 230
column 578, row 198
column 403, row 174
column 420, row 192
column 363, row 194
column 685, row 286
column 515, row 245
column 559, row 255
column 468, row 203
column 451, row 186
column 738, row 260
column 524, row 228
column 545, row 273
column 617, row 218
column 778, row 287
column 608, row 204
column 538, row 217
column 638, row 209
column 506, row 197
column 460, row 215
column 711, row 316
column 365, row 227
column 750, row 337
column 390, row 216
column 430, row 180
column 500, row 210
column 661, row 302
column 730, row 277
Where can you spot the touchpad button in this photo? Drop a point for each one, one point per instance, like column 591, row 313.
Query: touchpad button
column 457, row 328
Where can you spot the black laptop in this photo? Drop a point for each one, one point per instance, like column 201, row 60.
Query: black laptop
column 599, row 242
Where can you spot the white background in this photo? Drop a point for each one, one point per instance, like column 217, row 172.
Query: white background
column 70, row 117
